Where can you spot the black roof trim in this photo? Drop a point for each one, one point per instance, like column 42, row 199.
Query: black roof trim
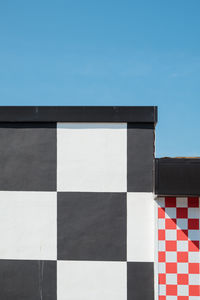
column 134, row 114
column 177, row 176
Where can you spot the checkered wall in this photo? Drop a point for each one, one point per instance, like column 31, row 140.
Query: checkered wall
column 178, row 248
column 76, row 211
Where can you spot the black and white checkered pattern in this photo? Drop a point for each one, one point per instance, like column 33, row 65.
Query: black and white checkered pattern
column 76, row 211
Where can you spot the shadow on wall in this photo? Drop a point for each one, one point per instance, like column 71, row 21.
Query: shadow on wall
column 178, row 246
column 179, row 222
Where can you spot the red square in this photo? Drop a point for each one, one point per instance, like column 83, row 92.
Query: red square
column 182, row 235
column 193, row 246
column 171, row 268
column 183, row 297
column 181, row 212
column 162, row 298
column 194, row 268
column 162, row 278
column 182, row 256
column 170, row 201
column 171, row 245
column 193, row 224
column 170, row 223
column 194, row 290
column 161, row 213
column 182, row 279
column 161, row 235
column 171, row 290
column 161, row 256
column 193, row 201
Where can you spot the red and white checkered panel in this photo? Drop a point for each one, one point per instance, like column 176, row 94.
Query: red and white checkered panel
column 178, row 248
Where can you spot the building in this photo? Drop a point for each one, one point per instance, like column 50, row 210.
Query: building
column 88, row 213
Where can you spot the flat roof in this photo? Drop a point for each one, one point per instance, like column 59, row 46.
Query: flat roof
column 177, row 176
column 132, row 114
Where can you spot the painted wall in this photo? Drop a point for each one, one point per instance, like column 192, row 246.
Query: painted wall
column 76, row 211
column 178, row 235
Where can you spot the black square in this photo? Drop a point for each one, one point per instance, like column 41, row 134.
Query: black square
column 140, row 157
column 27, row 280
column 140, row 280
column 28, row 156
column 92, row 226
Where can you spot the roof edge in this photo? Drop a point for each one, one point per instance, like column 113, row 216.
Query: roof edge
column 177, row 176
column 132, row 114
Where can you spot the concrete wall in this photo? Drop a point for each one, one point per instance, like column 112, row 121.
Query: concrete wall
column 178, row 262
column 76, row 211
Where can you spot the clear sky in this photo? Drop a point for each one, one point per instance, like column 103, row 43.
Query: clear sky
column 107, row 52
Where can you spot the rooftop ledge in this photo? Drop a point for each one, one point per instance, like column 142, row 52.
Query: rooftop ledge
column 177, row 176
column 132, row 114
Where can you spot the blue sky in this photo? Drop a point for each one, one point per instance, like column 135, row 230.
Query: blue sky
column 107, row 53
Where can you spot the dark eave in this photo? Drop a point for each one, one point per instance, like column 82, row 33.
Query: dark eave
column 177, row 176
column 132, row 114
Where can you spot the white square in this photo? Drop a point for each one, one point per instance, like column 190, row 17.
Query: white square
column 182, row 246
column 161, row 268
column 182, row 224
column 194, row 279
column 170, row 212
column 161, row 245
column 140, row 227
column 194, row 298
column 28, row 225
column 161, row 201
column 171, row 278
column 161, row 223
column 171, row 297
column 92, row 157
column 171, row 256
column 194, row 257
column 170, row 235
column 88, row 280
column 193, row 212
column 183, row 290
column 182, row 268
column 194, row 235
column 181, row 202
column 162, row 289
